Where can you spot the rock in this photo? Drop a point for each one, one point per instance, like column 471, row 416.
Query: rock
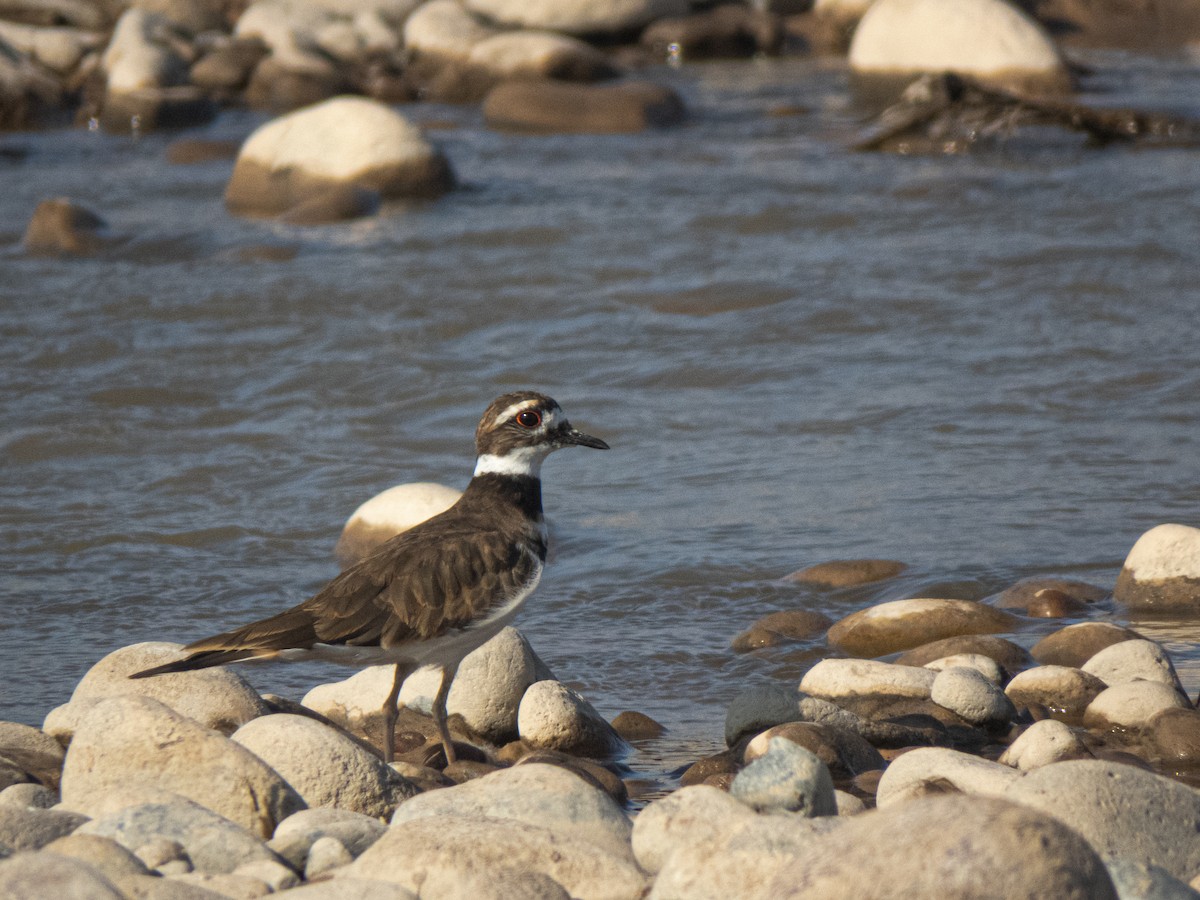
column 970, row 694
column 578, row 17
column 351, row 889
column 105, row 854
column 33, row 751
column 192, row 151
column 726, row 31
column 62, row 227
column 488, row 687
column 48, row 875
column 720, row 765
column 1132, row 660
column 138, row 55
column 844, row 752
column 984, row 665
column 1060, row 689
column 126, row 747
column 1008, row 655
column 344, row 141
column 28, row 794
column 1162, row 571
column 553, row 106
column 933, row 770
column 325, row 854
column 848, row 679
column 275, row 875
column 410, row 852
column 278, row 86
column 738, row 859
column 636, row 726
column 1042, row 743
column 1019, row 596
column 444, row 29
column 1148, row 882
column 943, row 847
column 500, row 884
column 217, row 698
column 1120, row 810
column 58, row 49
column 986, row 39
column 839, row 573
column 537, row 794
column 152, row 109
column 903, row 624
column 787, row 778
column 553, row 716
column 391, row 512
column 685, row 817
column 212, row 843
column 299, row 833
column 1052, row 604
column 160, row 853
column 539, row 54
column 1076, row 644
column 228, row 65
column 229, row 884
column 25, row 828
column 1174, row 734
column 789, row 624
column 356, row 702
column 1130, row 706
column 325, row 767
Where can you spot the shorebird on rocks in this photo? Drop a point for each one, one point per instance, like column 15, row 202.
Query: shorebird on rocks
column 434, row 593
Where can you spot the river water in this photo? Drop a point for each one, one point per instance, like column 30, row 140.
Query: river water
column 983, row 365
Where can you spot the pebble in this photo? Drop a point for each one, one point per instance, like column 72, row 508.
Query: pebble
column 117, row 757
column 32, row 751
column 987, row 39
column 390, row 513
column 786, row 779
column 325, row 767
column 538, row 794
column 931, row 770
column 1162, row 570
column 554, row 717
column 1076, row 644
column 410, row 852
column 1042, row 743
column 839, row 573
column 325, row 854
column 546, row 106
column 1061, row 689
column 1120, row 810
column 1133, row 660
column 970, row 694
column 903, row 624
column 1131, row 705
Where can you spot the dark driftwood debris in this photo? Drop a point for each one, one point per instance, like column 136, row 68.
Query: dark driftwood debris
column 948, row 113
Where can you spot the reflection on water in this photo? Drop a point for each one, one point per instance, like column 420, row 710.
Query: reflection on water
column 983, row 366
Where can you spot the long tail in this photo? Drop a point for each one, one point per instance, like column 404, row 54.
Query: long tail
column 291, row 630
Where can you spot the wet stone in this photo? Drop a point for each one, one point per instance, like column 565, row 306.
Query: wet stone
column 1133, row 660
column 62, row 227
column 557, row 107
column 1175, row 736
column 787, row 778
column 699, row 772
column 1076, row 644
column 843, row 752
column 904, row 624
column 840, row 573
column 1077, row 593
column 781, row 627
column 1060, row 689
column 1162, row 570
column 1012, row 657
column 636, row 726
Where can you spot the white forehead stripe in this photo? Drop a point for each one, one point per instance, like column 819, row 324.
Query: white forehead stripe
column 549, row 418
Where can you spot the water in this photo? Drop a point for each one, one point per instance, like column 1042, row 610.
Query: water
column 985, row 366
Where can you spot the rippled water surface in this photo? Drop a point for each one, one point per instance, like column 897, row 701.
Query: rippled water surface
column 984, row 366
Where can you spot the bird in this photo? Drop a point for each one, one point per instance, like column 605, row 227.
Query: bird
column 433, row 593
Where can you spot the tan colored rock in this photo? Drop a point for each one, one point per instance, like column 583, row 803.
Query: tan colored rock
column 684, row 817
column 343, row 141
column 554, row 717
column 445, row 30
column 324, row 766
column 1131, row 661
column 903, row 624
column 928, row 770
column 139, row 54
column 850, row 679
column 1042, row 743
column 411, row 852
column 1011, row 657
column 130, row 746
column 47, row 875
column 33, row 751
column 984, row 665
column 389, row 513
column 986, row 39
column 1020, row 595
column 782, row 626
column 578, row 17
column 545, row 106
column 1162, row 570
column 216, row 698
column 539, row 54
column 1131, row 705
column 838, row 573
column 1076, row 644
column 62, row 227
column 1060, row 689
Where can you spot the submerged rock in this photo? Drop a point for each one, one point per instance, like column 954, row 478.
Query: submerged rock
column 553, row 106
column 903, row 624
column 1076, row 644
column 838, row 573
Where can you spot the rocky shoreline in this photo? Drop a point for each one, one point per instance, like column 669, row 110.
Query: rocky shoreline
column 926, row 754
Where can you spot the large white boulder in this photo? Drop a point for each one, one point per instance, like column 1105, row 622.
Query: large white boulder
column 1162, row 571
column 389, row 513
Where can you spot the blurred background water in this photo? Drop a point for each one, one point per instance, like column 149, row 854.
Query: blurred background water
column 982, row 365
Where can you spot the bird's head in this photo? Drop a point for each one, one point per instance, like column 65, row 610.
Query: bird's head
column 521, row 429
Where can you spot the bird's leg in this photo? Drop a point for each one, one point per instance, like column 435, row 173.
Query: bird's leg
column 439, row 712
column 391, row 713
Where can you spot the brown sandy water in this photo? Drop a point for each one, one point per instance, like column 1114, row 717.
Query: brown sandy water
column 984, row 366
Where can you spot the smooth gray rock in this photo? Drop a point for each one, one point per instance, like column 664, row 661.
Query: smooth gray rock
column 1063, row 689
column 938, row 769
column 1042, row 743
column 29, row 828
column 846, row 679
column 1131, row 706
column 1138, row 881
column 687, row 816
column 787, row 778
column 28, row 794
column 539, row 794
column 554, row 717
column 325, row 854
column 297, row 834
column 104, row 853
column 1122, row 811
column 31, row 875
column 214, row 844
column 1133, row 660
column 970, row 694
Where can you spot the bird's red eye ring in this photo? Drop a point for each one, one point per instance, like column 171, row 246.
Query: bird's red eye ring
column 528, row 418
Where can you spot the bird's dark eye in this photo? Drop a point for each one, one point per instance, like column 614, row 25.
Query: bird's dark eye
column 528, row 418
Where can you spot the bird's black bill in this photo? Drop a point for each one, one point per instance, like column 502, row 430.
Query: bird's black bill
column 579, row 439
